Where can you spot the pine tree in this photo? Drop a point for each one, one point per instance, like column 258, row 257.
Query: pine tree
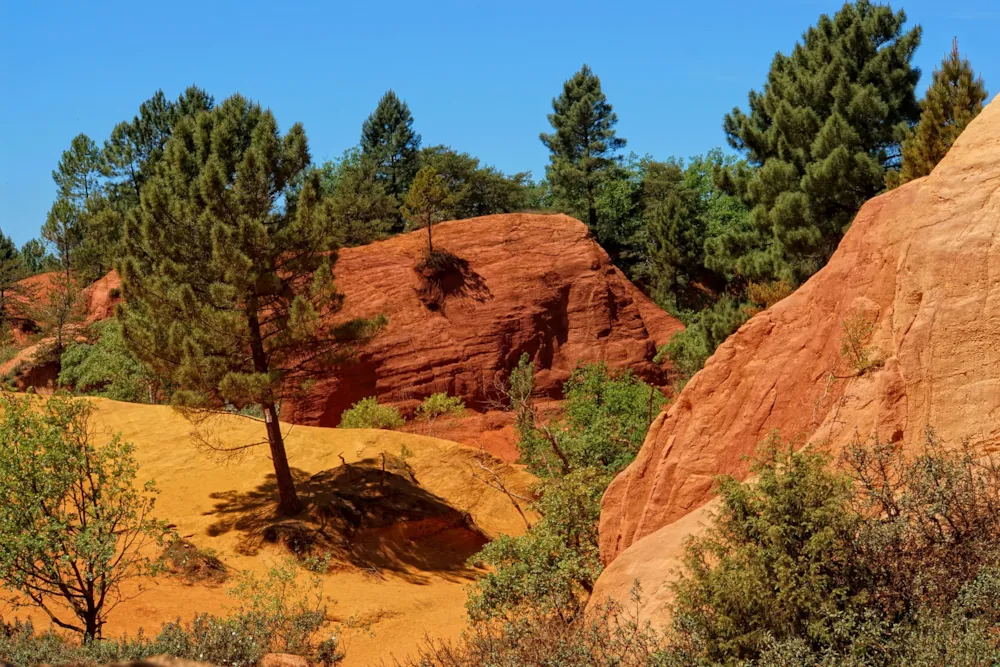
column 11, row 271
column 954, row 98
column 227, row 281
column 363, row 211
column 388, row 139
column 79, row 171
column 584, row 147
column 820, row 136
column 428, row 202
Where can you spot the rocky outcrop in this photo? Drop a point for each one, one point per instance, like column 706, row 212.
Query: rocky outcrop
column 921, row 265
column 519, row 283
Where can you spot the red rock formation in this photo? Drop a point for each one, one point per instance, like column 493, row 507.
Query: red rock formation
column 532, row 283
column 922, row 262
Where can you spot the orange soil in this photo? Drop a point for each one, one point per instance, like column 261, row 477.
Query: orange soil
column 417, row 593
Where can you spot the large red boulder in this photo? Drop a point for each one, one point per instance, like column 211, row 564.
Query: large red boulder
column 523, row 283
column 921, row 264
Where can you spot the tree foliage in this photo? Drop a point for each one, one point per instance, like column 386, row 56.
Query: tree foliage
column 75, row 525
column 104, row 366
column 428, row 202
column 389, row 141
column 369, row 413
column 478, row 190
column 584, row 147
column 819, row 137
column 954, row 98
column 228, row 293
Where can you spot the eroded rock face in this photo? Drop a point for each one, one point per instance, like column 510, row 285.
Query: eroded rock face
column 922, row 265
column 526, row 283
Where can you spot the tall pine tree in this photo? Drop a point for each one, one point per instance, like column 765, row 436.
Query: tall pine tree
column 584, row 147
column 820, row 136
column 11, row 271
column 227, row 281
column 954, row 98
column 388, row 140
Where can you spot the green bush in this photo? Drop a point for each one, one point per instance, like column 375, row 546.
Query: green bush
column 688, row 350
column 439, row 405
column 894, row 562
column 274, row 613
column 551, row 568
column 368, row 413
column 107, row 368
column 606, row 416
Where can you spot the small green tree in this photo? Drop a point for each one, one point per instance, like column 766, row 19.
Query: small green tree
column 438, row 405
column 388, row 140
column 954, row 98
column 36, row 258
column 75, row 526
column 428, row 202
column 479, row 190
column 584, row 147
column 367, row 413
column 228, row 284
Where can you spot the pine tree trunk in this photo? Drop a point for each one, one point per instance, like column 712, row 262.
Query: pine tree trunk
column 288, row 500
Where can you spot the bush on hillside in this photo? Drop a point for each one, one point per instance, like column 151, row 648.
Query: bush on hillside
column 896, row 561
column 439, row 405
column 106, row 367
column 688, row 350
column 368, row 413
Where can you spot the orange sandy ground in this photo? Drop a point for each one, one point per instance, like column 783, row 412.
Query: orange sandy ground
column 417, row 597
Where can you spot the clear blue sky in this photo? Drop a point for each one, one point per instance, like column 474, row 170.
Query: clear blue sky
column 478, row 75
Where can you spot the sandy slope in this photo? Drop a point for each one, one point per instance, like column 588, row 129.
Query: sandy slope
column 417, row 593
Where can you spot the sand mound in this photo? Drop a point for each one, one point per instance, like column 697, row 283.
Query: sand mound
column 919, row 265
column 401, row 543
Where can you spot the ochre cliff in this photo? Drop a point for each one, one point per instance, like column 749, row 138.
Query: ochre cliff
column 922, row 265
column 535, row 284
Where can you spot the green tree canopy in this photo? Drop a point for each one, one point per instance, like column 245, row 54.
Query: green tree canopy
column 428, row 202
column 11, row 271
column 478, row 190
column 819, row 138
column 954, row 98
column 228, row 293
column 75, row 524
column 584, row 147
column 388, row 139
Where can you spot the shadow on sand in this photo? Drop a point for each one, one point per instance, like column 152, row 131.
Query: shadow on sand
column 363, row 516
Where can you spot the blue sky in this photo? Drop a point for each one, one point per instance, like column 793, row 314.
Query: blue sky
column 478, row 76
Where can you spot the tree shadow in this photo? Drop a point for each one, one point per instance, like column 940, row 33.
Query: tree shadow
column 445, row 276
column 364, row 516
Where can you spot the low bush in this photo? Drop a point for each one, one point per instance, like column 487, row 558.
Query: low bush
column 884, row 561
column 857, row 329
column 274, row 613
column 439, row 405
column 368, row 413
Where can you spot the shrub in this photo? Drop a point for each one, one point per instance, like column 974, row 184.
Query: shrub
column 764, row 295
column 438, row 405
column 612, row 635
column 896, row 562
column 688, row 350
column 367, row 413
column 107, row 368
column 857, row 328
column 551, row 568
column 274, row 613
column 75, row 526
column 606, row 416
